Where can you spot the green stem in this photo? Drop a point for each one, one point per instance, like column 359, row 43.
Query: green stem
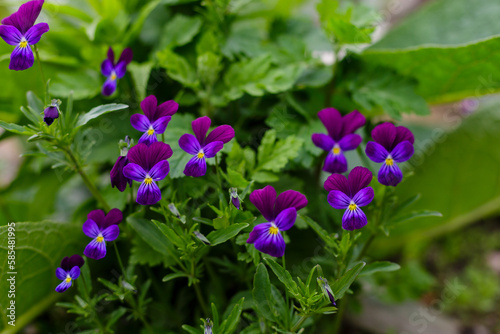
column 201, row 300
column 120, row 261
column 218, row 172
column 338, row 320
column 131, row 198
column 41, row 71
column 299, row 323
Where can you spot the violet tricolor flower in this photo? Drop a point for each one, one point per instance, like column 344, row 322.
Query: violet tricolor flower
column 351, row 193
column 19, row 29
column 119, row 180
column 327, row 290
column 280, row 214
column 101, row 228
column 202, row 146
column 392, row 144
column 69, row 271
column 340, row 137
column 155, row 118
column 148, row 164
column 51, row 112
column 113, row 71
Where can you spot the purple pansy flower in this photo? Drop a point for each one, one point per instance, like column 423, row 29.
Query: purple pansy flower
column 340, row 137
column 202, row 146
column 155, row 118
column 351, row 193
column 147, row 165
column 20, row 30
column 101, row 228
column 280, row 214
column 392, row 144
column 69, row 271
column 119, row 180
column 114, row 71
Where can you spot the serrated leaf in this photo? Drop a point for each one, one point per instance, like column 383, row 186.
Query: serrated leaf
column 274, row 155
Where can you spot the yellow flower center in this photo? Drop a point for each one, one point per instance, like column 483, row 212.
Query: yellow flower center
column 23, row 44
column 148, row 180
column 200, row 155
column 99, row 238
column 113, row 76
column 68, row 279
column 352, row 207
column 389, row 161
column 151, row 132
column 273, row 230
column 336, row 150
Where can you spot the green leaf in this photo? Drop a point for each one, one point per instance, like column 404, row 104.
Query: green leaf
column 21, row 130
column 413, row 215
column 283, row 275
column 82, row 84
column 274, row 155
column 177, row 68
column 322, row 233
column 140, row 74
column 223, row 235
column 262, row 293
column 379, row 266
column 340, row 286
column 230, row 324
column 152, row 235
column 180, row 30
column 170, row 277
column 98, row 111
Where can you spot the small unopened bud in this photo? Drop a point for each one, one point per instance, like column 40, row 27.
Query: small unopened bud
column 235, row 199
column 124, row 145
column 323, row 283
column 202, row 238
column 174, row 210
column 51, row 112
column 208, row 326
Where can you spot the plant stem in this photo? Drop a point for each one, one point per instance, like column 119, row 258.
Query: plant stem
column 299, row 323
column 218, row 172
column 340, row 315
column 120, row 261
column 201, row 300
column 41, row 73
column 131, row 198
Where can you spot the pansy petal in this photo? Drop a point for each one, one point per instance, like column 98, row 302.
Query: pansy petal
column 167, row 108
column 109, row 87
column 338, row 200
column 111, row 233
column 95, row 250
column 258, row 231
column 285, row 219
column 196, row 167
column 25, row 16
column 148, row 106
column 114, row 217
column 148, row 156
column 403, row 151
column 117, row 178
column 289, row 199
column 10, row 35
column 126, row 56
column 332, row 120
column 111, row 56
column 161, row 124
column 61, row 273
column 106, row 68
column 75, row 260
column 200, row 127
column 74, row 273
column 223, row 133
column 271, row 244
column 160, row 170
column 402, row 134
column 34, row 34
column 140, row 122
column 376, row 152
column 351, row 122
column 148, row 139
column 264, row 200
column 189, row 144
column 323, row 141
column 335, row 163
column 390, row 175
column 364, row 197
column 98, row 216
column 336, row 182
column 120, row 69
column 63, row 286
column 148, row 194
column 359, row 178
column 385, row 134
column 353, row 219
column 350, row 142
column 212, row 148
column 134, row 172
column 90, row 228
column 21, row 59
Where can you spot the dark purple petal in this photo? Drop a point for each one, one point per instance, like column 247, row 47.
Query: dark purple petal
column 109, row 87
column 337, row 182
column 210, row 150
column 34, row 34
column 272, row 244
column 126, row 56
column 200, row 127
column 350, row 142
column 236, row 202
column 376, row 152
column 49, row 114
column 21, row 58
column 148, row 156
column 323, row 141
column 140, row 122
column 74, row 273
column 338, row 200
column 159, row 171
column 95, row 250
column 402, row 152
column 119, row 180
column 114, row 217
column 111, row 56
column 351, row 122
column 167, row 108
column 390, row 175
column 335, row 163
column 196, row 167
column 107, row 68
column 385, row 134
column 25, row 16
column 359, row 178
column 403, row 134
column 160, row 124
column 61, row 273
column 10, row 35
column 189, row 144
column 120, row 70
column 353, row 219
column 134, row 172
column 364, row 197
column 98, row 216
column 91, row 229
column 148, row 106
column 148, row 194
column 223, row 133
column 111, row 233
column 69, row 262
column 285, row 219
column 332, row 120
column 289, row 199
column 264, row 200
column 63, row 286
column 258, row 231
